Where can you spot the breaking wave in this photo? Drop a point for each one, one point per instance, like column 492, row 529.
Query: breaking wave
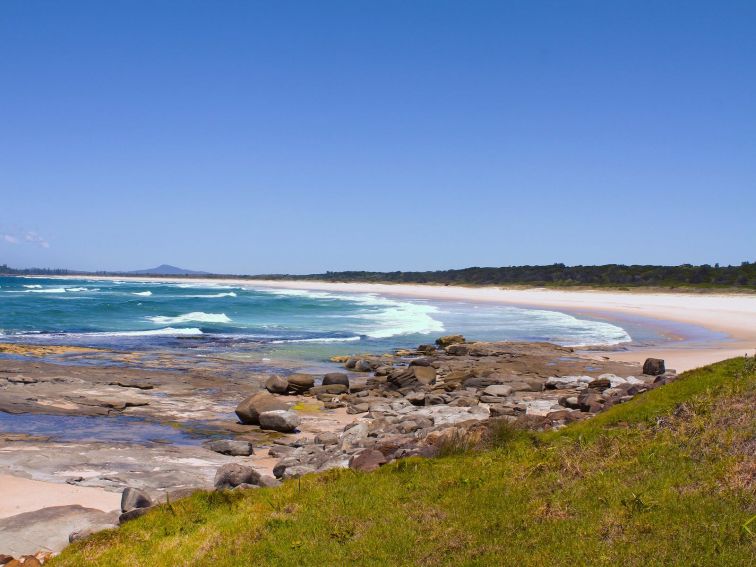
column 194, row 316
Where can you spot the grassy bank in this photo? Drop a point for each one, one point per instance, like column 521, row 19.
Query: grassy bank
column 666, row 479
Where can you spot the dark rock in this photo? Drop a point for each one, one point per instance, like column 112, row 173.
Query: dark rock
column 422, row 361
column 427, row 349
column 336, row 378
column 416, row 398
column 326, row 438
column 351, row 362
column 277, row 385
column 250, row 409
column 457, row 350
column 234, row 474
column 600, row 384
column 133, row 514
column 367, row 460
column 284, row 421
column 363, row 366
column 447, row 340
column 653, row 366
column 230, row 447
column 5, row 559
column 133, row 498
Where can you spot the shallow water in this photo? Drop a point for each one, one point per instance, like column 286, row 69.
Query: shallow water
column 116, row 429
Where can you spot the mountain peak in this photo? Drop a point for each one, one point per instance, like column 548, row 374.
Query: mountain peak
column 168, row 270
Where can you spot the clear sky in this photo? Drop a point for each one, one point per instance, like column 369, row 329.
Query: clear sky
column 250, row 137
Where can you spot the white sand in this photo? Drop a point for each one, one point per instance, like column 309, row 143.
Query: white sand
column 19, row 495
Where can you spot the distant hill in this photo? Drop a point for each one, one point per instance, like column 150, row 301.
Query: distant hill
column 167, row 270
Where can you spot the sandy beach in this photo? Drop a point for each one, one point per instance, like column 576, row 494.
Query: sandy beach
column 731, row 314
column 21, row 495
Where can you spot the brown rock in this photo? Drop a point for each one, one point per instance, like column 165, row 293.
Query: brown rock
column 300, row 383
column 367, row 460
column 447, row 340
column 250, row 409
column 277, row 385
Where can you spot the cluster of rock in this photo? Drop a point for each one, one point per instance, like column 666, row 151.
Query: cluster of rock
column 410, row 403
column 35, row 560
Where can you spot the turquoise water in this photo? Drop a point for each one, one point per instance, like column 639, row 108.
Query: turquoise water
column 151, row 313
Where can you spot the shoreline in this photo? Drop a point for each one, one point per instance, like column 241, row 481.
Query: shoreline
column 733, row 315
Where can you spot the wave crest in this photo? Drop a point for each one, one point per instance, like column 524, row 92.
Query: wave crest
column 194, row 316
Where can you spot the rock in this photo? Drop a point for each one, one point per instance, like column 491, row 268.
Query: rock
column 297, row 471
column 426, row 349
column 363, row 366
column 326, row 438
column 653, row 366
column 277, row 385
column 336, row 378
column 250, row 409
column 133, row 514
column 367, row 460
column 333, row 389
column 4, row 559
column 358, row 408
column 426, row 375
column 351, row 362
column 31, row 561
column 415, row 398
column 457, row 349
column 422, row 361
column 133, row 498
column 501, row 390
column 447, row 340
column 300, row 383
column 234, row 474
column 600, row 384
column 284, row 421
column 230, row 447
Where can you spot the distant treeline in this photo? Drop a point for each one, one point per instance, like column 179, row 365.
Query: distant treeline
column 559, row 275
column 555, row 275
column 5, row 270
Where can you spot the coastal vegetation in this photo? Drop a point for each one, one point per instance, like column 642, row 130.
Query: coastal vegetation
column 742, row 276
column 665, row 478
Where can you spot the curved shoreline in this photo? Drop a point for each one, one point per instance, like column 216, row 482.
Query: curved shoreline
column 733, row 315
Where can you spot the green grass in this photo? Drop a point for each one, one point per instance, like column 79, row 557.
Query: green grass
column 665, row 479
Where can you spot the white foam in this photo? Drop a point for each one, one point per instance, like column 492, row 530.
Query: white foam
column 200, row 296
column 323, row 340
column 47, row 290
column 170, row 331
column 387, row 317
column 74, row 289
column 198, row 316
column 33, row 286
column 143, row 293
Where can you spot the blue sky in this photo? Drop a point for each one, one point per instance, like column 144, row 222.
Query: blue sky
column 250, row 137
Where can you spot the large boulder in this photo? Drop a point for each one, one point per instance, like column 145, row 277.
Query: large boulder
column 501, row 390
column 300, row 383
column 654, row 367
column 284, row 421
column 250, row 409
column 336, row 378
column 230, row 447
column 447, row 340
column 133, row 498
column 232, row 475
column 277, row 385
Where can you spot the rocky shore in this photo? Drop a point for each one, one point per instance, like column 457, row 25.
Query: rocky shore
column 414, row 402
column 267, row 428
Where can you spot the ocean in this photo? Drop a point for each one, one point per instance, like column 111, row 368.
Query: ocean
column 155, row 314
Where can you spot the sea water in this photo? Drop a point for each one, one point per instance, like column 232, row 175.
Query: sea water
column 149, row 313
